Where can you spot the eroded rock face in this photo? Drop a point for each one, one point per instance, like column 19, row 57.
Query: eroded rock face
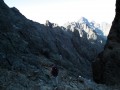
column 106, row 67
column 28, row 49
column 23, row 42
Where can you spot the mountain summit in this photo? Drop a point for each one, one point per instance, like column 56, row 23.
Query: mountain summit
column 83, row 20
column 83, row 23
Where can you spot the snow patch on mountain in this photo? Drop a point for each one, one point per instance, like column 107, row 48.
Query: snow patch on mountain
column 89, row 27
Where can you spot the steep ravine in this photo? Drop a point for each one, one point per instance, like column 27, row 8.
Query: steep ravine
column 28, row 49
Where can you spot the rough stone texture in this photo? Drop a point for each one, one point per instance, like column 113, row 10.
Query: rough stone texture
column 28, row 49
column 10, row 80
column 23, row 41
column 106, row 67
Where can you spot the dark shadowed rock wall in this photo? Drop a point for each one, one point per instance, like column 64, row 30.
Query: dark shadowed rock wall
column 106, row 67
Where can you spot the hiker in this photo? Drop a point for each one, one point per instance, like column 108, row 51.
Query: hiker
column 54, row 73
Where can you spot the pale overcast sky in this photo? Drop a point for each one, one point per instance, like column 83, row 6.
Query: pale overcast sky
column 62, row 11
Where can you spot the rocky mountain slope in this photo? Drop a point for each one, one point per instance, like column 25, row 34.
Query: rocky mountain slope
column 106, row 67
column 90, row 32
column 28, row 49
column 23, row 42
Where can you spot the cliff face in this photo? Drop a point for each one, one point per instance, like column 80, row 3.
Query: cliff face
column 28, row 49
column 23, row 41
column 107, row 65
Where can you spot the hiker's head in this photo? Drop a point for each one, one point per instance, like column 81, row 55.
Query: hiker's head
column 53, row 65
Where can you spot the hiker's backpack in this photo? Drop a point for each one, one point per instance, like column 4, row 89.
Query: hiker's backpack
column 54, row 71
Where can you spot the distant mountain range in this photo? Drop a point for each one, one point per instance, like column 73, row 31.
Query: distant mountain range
column 86, row 34
column 83, row 24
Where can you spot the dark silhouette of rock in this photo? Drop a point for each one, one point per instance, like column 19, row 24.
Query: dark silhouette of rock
column 49, row 24
column 107, row 65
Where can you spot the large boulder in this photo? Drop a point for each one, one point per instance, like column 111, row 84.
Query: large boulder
column 106, row 67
